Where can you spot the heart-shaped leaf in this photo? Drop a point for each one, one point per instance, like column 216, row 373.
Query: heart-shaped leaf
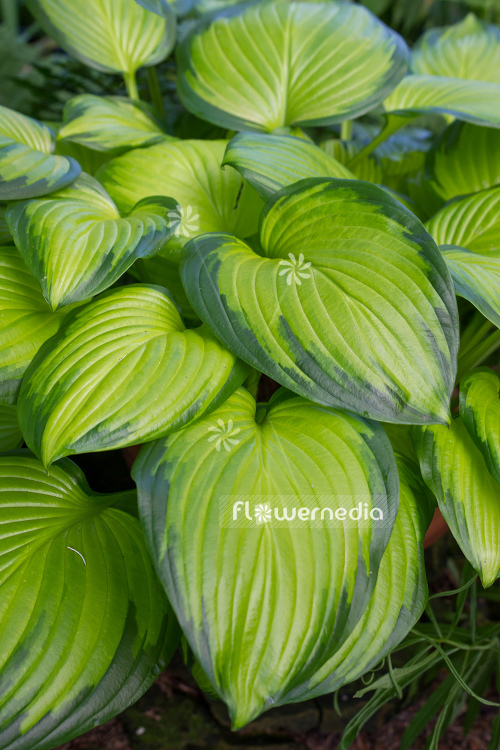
column 86, row 628
column 26, row 320
column 122, row 370
column 256, row 645
column 480, row 413
column 273, row 64
column 468, row 495
column 117, row 36
column 472, row 101
column 28, row 167
column 464, row 159
column 468, row 232
column 347, row 292
column 270, row 162
column 109, row 123
column 468, row 49
column 76, row 243
column 209, row 198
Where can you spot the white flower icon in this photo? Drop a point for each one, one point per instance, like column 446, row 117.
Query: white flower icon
column 184, row 220
column 263, row 513
column 224, row 435
column 294, row 269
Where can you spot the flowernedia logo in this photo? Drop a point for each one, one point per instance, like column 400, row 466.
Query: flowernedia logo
column 296, row 511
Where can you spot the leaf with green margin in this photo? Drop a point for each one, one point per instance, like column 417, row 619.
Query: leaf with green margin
column 347, row 292
column 211, row 199
column 86, row 628
column 468, row 233
column 122, row 370
column 477, row 279
column 469, row 49
column 270, row 162
column 472, row 101
column 345, row 623
column 26, row 320
column 298, row 453
column 266, row 65
column 115, row 36
column 76, row 244
column 110, row 123
column 464, row 159
column 480, row 413
column 28, row 167
column 467, row 494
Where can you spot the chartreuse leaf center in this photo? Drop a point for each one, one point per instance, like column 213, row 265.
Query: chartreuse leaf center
column 346, row 291
column 85, row 626
column 124, row 369
column 250, row 512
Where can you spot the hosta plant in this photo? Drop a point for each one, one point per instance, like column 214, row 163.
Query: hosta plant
column 334, row 240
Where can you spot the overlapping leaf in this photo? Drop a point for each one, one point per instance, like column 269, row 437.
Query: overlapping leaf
column 109, row 123
column 270, row 162
column 26, row 320
column 469, row 49
column 272, row 64
column 464, row 159
column 5, row 235
column 117, row 36
column 347, row 292
column 76, row 243
column 454, row 468
column 28, row 168
column 258, row 647
column 468, row 232
column 209, row 198
column 122, row 370
column 85, row 626
column 472, row 101
column 480, row 412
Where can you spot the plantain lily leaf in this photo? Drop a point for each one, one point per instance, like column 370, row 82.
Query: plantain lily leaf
column 257, row 647
column 26, row 320
column 109, row 123
column 468, row 496
column 209, row 198
column 5, row 234
column 123, row 369
column 472, row 101
column 76, row 243
column 346, row 293
column 85, row 626
column 10, row 432
column 28, row 168
column 273, row 64
column 480, row 413
column 116, row 36
column 270, row 162
column 469, row 49
column 89, row 160
column 476, row 278
column 468, row 232
column 465, row 159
